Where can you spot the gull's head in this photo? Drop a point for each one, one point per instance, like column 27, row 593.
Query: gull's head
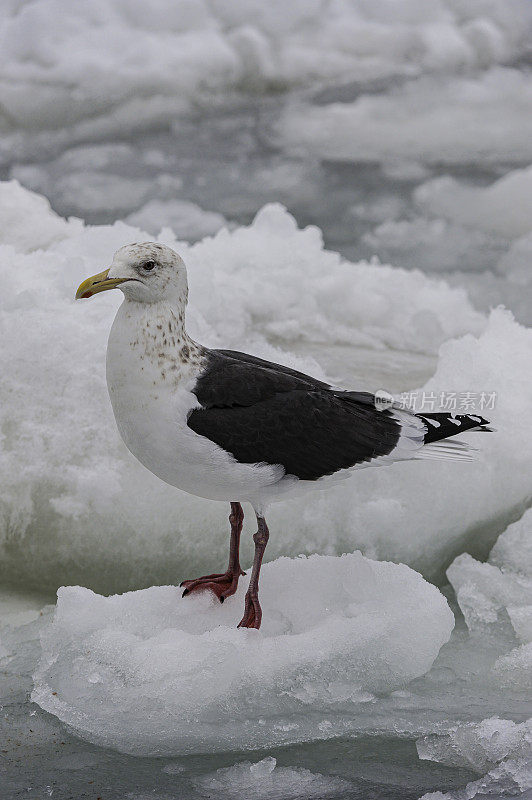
column 146, row 273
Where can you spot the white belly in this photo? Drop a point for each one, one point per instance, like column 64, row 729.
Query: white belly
column 151, row 414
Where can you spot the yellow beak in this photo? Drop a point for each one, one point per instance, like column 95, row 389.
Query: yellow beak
column 97, row 283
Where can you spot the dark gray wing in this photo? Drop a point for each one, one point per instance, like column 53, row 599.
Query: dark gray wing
column 262, row 412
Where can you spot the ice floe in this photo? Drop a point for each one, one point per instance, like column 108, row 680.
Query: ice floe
column 152, row 673
column 264, row 780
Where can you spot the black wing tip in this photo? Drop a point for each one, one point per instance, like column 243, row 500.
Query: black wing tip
column 444, row 426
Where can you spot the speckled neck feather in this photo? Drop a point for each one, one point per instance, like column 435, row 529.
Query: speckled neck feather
column 161, row 337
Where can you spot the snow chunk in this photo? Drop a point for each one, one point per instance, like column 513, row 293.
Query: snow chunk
column 469, row 228
column 150, row 673
column 513, row 670
column 496, row 599
column 187, row 220
column 512, row 552
column 436, row 245
column 515, row 263
column 466, row 227
column 264, row 780
column 263, row 267
column 499, row 747
column 504, row 208
column 498, row 593
column 67, row 480
column 83, row 192
column 433, row 120
column 27, row 221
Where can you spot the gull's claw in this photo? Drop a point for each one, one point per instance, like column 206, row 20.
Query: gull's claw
column 222, row 586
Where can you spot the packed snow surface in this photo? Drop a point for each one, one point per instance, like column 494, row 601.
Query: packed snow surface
column 152, row 673
column 76, row 506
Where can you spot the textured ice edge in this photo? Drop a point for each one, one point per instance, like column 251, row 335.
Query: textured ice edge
column 149, row 673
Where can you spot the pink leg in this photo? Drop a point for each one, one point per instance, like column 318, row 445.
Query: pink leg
column 252, row 610
column 223, row 585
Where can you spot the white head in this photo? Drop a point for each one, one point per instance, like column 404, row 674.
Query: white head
column 146, row 273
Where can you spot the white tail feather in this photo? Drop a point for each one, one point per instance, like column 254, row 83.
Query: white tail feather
column 447, row 450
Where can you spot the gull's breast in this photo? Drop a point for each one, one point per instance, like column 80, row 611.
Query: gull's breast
column 151, row 394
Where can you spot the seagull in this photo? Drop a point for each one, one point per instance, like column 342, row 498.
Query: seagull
column 229, row 426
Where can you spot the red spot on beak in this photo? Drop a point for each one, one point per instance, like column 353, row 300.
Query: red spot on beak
column 86, row 295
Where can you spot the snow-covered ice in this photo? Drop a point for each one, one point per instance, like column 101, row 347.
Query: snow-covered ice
column 27, row 222
column 461, row 226
column 264, row 266
column 499, row 591
column 75, row 70
column 460, row 711
column 230, row 109
column 152, row 673
column 76, row 507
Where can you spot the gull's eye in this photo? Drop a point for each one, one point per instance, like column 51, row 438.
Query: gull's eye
column 148, row 265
